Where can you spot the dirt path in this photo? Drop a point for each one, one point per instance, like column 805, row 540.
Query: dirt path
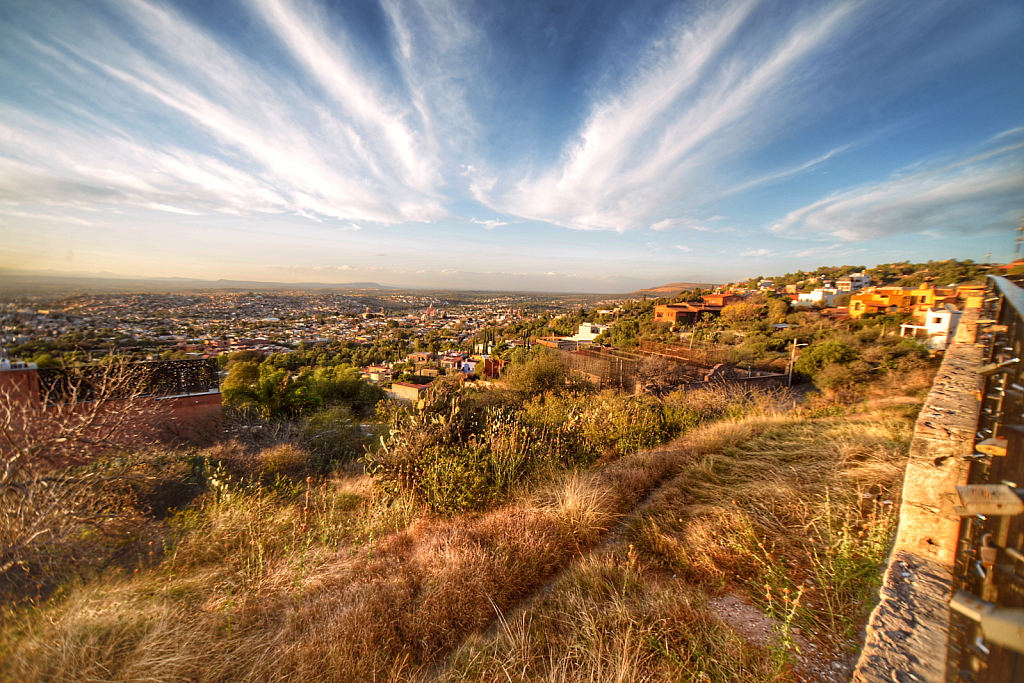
column 610, row 539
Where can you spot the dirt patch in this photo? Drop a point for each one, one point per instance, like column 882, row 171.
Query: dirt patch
column 755, row 626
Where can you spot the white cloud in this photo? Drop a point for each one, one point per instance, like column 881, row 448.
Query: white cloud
column 365, row 151
column 985, row 191
column 681, row 223
column 490, row 225
column 782, row 173
column 55, row 218
column 683, row 247
column 691, row 103
column 759, row 253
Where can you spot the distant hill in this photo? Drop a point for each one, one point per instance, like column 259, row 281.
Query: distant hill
column 672, row 289
column 38, row 282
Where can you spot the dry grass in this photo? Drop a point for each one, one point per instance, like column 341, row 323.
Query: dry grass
column 332, row 583
column 609, row 620
column 757, row 502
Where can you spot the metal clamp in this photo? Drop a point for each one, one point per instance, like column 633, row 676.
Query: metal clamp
column 1002, row 626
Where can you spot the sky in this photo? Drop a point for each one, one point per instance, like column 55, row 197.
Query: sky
column 551, row 146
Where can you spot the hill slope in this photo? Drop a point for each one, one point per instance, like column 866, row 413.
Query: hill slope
column 671, row 289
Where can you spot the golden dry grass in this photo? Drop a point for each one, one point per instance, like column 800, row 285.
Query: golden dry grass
column 334, row 585
column 338, row 585
column 637, row 610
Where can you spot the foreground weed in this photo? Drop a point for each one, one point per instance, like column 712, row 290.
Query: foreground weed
column 847, row 560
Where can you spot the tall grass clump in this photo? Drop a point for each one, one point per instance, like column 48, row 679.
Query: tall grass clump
column 798, row 513
column 792, row 514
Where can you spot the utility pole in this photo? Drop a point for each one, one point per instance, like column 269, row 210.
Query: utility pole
column 792, row 361
column 1020, row 238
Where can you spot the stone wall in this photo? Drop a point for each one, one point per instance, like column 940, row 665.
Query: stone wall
column 908, row 630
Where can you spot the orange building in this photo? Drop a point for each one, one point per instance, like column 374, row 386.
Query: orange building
column 883, row 300
column 971, row 296
column 684, row 313
column 723, row 299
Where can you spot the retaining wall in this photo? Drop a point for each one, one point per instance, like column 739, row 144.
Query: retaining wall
column 907, row 632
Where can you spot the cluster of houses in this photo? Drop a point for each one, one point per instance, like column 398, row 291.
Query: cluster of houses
column 583, row 338
column 936, row 310
column 429, row 365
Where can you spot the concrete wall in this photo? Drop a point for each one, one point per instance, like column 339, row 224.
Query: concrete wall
column 908, row 630
column 194, row 419
column 179, row 419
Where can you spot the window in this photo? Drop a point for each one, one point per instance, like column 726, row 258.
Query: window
column 937, row 321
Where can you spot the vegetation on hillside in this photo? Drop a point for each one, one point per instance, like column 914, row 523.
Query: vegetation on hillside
column 274, row 555
column 538, row 529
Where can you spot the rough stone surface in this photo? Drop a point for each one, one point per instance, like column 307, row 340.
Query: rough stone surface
column 908, row 630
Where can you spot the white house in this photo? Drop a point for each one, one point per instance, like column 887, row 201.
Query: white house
column 854, row 282
column 588, row 332
column 818, row 296
column 939, row 327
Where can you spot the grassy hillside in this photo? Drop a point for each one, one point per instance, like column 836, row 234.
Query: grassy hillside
column 671, row 289
column 646, row 565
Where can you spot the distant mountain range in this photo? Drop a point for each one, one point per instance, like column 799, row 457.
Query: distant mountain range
column 47, row 281
column 672, row 289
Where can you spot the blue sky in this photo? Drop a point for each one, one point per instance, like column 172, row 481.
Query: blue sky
column 574, row 146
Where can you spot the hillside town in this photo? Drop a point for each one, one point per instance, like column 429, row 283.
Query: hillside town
column 403, row 340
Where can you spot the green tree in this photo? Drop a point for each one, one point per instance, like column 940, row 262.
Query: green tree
column 624, row 334
column 738, row 315
column 778, row 309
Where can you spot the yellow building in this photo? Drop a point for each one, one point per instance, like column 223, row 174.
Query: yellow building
column 886, row 300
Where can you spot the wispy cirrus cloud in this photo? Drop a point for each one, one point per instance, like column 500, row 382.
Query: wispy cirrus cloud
column 680, row 224
column 690, row 103
column 359, row 147
column 980, row 192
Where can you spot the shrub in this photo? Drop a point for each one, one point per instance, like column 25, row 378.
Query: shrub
column 541, row 374
column 283, row 459
column 819, row 356
column 330, row 436
column 837, row 377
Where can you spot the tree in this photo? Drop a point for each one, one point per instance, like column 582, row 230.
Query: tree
column 656, row 374
column 778, row 309
column 738, row 314
column 624, row 335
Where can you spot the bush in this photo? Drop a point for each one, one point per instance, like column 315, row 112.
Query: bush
column 330, row 436
column 283, row 459
column 837, row 377
column 819, row 356
column 543, row 373
column 461, row 451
